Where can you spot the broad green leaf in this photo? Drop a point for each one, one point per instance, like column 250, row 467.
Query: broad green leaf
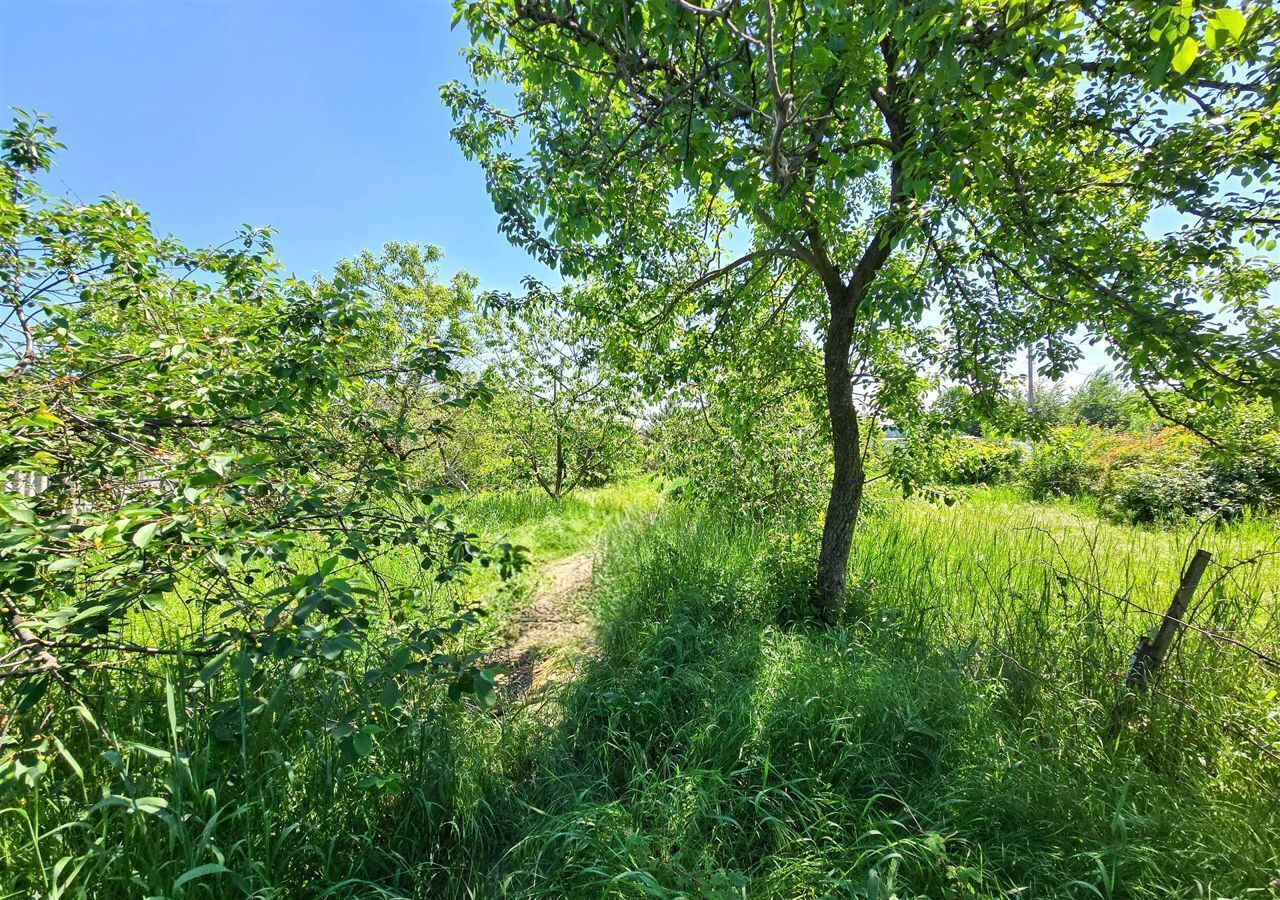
column 1228, row 19
column 1185, row 55
column 144, row 535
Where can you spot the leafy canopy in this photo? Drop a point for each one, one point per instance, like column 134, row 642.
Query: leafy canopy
column 1040, row 167
column 562, row 416
column 207, row 498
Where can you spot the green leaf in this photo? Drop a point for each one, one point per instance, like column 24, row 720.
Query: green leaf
column 1186, row 55
column 68, row 758
column 210, row 669
column 155, row 752
column 199, row 872
column 482, row 687
column 19, row 512
column 389, row 695
column 1232, row 21
column 143, row 535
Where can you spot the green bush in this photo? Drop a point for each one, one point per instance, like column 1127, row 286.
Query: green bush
column 1157, row 476
column 768, row 465
column 779, row 583
column 977, row 461
column 1065, row 465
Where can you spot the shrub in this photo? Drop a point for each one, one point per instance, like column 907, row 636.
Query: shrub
column 779, row 583
column 1065, row 465
column 978, row 461
column 765, row 464
column 1156, row 476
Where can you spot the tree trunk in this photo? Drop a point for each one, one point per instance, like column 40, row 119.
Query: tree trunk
column 846, row 486
column 560, row 466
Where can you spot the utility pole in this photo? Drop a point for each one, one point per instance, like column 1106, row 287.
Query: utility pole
column 1031, row 379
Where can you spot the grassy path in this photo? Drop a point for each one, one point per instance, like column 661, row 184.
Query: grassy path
column 553, row 632
column 706, row 750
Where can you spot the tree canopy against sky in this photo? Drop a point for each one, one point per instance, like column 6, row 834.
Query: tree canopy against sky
column 1026, row 168
column 215, row 437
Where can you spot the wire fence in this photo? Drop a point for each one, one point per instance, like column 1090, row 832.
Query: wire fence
column 1056, row 609
column 1168, row 631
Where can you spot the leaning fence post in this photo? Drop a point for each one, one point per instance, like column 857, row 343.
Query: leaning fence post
column 1153, row 648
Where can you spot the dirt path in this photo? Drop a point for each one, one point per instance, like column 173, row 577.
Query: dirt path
column 551, row 631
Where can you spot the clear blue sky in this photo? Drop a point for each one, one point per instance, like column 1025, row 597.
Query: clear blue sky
column 322, row 119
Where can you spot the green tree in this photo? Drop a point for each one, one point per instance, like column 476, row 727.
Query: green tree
column 1102, row 399
column 958, row 410
column 190, row 410
column 413, row 412
column 561, row 414
column 1000, row 409
column 998, row 161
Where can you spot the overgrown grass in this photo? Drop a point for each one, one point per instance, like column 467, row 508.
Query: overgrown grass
column 212, row 792
column 951, row 742
column 550, row 528
column 952, row 739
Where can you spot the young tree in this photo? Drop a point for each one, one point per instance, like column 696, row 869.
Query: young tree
column 1000, row 162
column 562, row 417
column 1102, row 399
column 190, row 410
column 412, row 411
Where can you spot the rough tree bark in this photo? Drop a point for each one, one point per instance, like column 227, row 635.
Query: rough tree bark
column 846, row 485
column 845, row 299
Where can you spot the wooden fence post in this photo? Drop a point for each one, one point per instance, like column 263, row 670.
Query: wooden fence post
column 1153, row 648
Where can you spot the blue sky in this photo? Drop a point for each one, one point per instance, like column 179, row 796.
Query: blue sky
column 319, row 118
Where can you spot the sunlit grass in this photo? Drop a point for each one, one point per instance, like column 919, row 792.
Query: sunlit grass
column 250, row 799
column 950, row 739
column 552, row 528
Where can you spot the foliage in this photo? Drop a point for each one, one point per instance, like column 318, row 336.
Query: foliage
column 998, row 163
column 958, row 411
column 746, row 427
column 1062, row 465
column 1157, row 478
column 413, row 312
column 977, row 461
column 178, row 811
column 710, row 752
column 207, row 504
column 1050, row 409
column 757, row 456
column 1103, row 399
column 563, row 418
column 1162, row 475
column 998, row 410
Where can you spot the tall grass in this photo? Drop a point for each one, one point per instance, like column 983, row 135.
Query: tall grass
column 951, row 739
column 213, row 792
column 552, row 528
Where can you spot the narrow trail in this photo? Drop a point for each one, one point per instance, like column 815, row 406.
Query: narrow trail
column 554, row 629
